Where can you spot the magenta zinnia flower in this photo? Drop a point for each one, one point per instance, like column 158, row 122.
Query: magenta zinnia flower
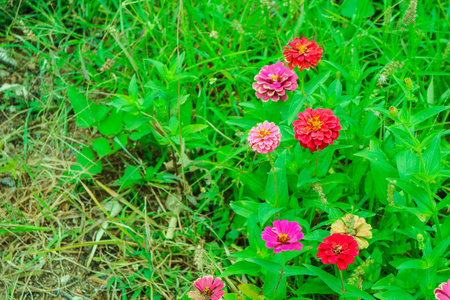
column 265, row 137
column 339, row 249
column 273, row 81
column 283, row 236
column 302, row 53
column 208, row 288
column 443, row 291
column 316, row 128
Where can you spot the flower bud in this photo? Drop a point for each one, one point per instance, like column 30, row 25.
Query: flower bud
column 393, row 112
column 409, row 84
column 419, row 237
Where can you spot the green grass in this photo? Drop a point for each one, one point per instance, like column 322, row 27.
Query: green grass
column 109, row 190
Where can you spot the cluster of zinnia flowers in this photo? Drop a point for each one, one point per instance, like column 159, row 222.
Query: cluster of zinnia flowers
column 314, row 129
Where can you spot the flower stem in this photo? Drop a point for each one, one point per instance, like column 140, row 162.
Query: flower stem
column 303, row 85
column 342, row 281
column 279, row 280
column 315, row 167
column 275, row 180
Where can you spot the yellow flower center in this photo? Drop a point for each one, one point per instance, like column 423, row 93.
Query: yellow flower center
column 283, row 238
column 301, row 48
column 207, row 292
column 314, row 124
column 337, row 250
column 263, row 133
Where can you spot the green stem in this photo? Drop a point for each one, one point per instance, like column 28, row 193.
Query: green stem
column 342, row 281
column 275, row 180
column 303, row 84
column 317, row 159
column 279, row 280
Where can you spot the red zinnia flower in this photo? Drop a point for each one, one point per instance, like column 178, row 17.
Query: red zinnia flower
column 302, row 53
column 339, row 249
column 316, row 128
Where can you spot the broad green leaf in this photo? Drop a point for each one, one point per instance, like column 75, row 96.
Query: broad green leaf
column 404, row 137
column 271, row 265
column 87, row 160
column 245, row 208
column 407, row 164
column 133, row 89
column 101, row 146
column 266, row 211
column 242, row 267
column 432, row 157
column 413, row 264
column 312, row 85
column 355, row 292
column 418, row 194
column 112, row 125
column 250, row 290
column 438, row 251
column 332, row 282
column 390, row 295
column 426, row 114
column 82, row 108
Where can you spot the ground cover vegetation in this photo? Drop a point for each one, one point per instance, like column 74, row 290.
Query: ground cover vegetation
column 224, row 149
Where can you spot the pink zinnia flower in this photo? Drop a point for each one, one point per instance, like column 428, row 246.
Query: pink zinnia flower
column 273, row 81
column 339, row 249
column 302, row 53
column 443, row 291
column 316, row 128
column 265, row 137
column 283, row 236
column 208, row 288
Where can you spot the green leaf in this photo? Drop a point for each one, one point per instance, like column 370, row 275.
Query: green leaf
column 426, row 114
column 81, row 106
column 430, row 92
column 312, row 85
column 279, row 196
column 419, row 196
column 354, row 291
column 390, row 295
column 432, row 157
column 133, row 89
column 245, row 208
column 101, row 146
column 332, row 282
column 230, row 296
column 404, row 137
column 413, row 264
column 131, row 176
column 86, row 159
column 295, row 107
column 242, row 267
column 266, row 211
column 438, row 251
column 250, row 290
column 407, row 164
column 271, row 265
column 112, row 125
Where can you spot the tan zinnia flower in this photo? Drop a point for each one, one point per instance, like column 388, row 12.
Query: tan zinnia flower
column 354, row 226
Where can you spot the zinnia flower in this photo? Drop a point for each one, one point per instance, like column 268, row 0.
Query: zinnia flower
column 354, row 226
column 316, row 128
column 302, row 53
column 443, row 291
column 283, row 236
column 265, row 137
column 339, row 249
column 273, row 81
column 208, row 288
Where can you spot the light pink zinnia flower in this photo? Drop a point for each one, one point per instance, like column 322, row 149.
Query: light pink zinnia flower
column 265, row 137
column 208, row 288
column 443, row 291
column 273, row 81
column 283, row 236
